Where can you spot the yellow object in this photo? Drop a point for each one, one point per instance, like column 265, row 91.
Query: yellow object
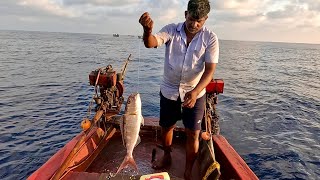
column 85, row 124
column 211, row 168
column 156, row 176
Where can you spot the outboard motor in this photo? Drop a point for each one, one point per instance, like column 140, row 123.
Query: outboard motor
column 110, row 85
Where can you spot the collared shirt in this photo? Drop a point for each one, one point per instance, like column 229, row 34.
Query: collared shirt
column 184, row 65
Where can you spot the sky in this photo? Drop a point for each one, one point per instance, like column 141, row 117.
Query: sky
column 295, row 21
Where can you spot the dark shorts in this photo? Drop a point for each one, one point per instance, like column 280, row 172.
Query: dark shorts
column 171, row 111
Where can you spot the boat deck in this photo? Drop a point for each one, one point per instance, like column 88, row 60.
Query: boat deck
column 100, row 156
column 112, row 155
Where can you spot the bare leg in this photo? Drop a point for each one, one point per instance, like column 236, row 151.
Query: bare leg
column 167, row 134
column 192, row 148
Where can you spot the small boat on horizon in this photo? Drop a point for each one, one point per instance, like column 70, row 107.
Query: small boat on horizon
column 116, row 35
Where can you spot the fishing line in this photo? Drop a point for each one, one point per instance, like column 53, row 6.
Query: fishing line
column 139, row 41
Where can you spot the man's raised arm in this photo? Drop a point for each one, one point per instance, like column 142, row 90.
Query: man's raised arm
column 147, row 23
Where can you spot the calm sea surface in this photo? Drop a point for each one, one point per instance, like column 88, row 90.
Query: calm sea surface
column 269, row 111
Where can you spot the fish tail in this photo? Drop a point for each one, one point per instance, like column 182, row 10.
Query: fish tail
column 127, row 161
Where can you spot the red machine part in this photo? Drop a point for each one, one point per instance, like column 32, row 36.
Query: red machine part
column 215, row 86
column 107, row 79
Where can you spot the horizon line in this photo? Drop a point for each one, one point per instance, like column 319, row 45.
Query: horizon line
column 310, row 43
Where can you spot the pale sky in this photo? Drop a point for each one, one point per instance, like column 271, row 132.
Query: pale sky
column 252, row 20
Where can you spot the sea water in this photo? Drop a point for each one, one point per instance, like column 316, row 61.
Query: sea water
column 269, row 110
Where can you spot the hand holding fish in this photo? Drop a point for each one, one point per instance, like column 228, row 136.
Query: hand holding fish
column 146, row 22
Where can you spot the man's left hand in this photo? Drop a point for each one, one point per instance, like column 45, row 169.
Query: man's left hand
column 190, row 99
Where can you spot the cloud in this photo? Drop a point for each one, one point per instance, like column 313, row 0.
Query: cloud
column 235, row 17
column 297, row 14
column 313, row 5
column 230, row 19
column 237, row 4
column 289, row 11
column 29, row 19
column 50, row 7
column 237, row 11
column 112, row 3
column 165, row 11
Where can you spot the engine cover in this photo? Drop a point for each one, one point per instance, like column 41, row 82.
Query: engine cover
column 107, row 77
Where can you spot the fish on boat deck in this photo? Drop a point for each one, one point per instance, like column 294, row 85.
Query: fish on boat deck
column 130, row 128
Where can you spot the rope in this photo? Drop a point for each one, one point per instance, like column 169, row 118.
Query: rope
column 215, row 165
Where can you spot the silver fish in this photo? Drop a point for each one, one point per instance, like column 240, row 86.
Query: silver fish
column 130, row 127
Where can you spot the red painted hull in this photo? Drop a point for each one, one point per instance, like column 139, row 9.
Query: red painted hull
column 91, row 160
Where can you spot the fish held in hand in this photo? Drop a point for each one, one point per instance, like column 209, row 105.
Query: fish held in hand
column 130, row 127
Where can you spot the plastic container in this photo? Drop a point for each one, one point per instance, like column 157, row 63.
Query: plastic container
column 156, row 176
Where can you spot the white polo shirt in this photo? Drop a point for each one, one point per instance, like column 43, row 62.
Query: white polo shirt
column 184, row 65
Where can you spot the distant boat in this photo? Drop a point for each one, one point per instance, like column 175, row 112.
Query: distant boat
column 115, row 35
column 140, row 37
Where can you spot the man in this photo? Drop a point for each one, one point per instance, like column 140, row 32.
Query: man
column 191, row 55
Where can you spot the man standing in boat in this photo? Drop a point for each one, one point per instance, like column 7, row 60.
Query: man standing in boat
column 191, row 55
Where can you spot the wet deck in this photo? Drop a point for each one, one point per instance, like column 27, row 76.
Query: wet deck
column 112, row 155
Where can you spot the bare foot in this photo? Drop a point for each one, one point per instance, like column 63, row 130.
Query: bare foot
column 165, row 161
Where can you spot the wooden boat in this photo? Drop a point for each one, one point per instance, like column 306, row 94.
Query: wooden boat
column 97, row 152
column 102, row 152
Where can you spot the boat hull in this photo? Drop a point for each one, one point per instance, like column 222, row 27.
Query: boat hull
column 102, row 152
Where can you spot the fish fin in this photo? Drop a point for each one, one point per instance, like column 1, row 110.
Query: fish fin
column 127, row 161
column 122, row 129
column 138, row 141
column 142, row 120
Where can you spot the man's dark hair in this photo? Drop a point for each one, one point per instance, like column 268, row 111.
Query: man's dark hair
column 198, row 8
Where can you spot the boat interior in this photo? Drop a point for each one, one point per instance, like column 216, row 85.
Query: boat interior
column 108, row 160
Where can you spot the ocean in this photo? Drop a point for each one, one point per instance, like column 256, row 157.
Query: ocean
column 269, row 110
